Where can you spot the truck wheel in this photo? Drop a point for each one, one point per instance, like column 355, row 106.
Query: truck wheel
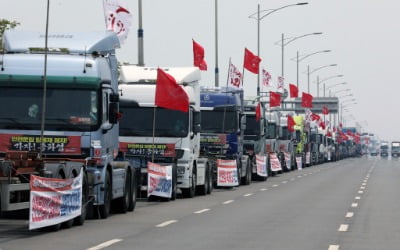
column 246, row 180
column 210, row 180
column 174, row 182
column 132, row 193
column 203, row 189
column 80, row 220
column 123, row 202
column 106, row 207
column 190, row 192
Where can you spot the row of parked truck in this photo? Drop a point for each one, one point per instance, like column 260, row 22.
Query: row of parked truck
column 101, row 120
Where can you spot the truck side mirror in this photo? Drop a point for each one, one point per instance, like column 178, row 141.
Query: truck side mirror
column 243, row 122
column 196, row 122
column 113, row 113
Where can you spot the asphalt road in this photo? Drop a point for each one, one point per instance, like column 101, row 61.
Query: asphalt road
column 350, row 204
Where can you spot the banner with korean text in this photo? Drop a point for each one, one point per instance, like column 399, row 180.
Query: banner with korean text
column 159, row 180
column 53, row 201
column 227, row 173
column 275, row 163
column 288, row 160
column 308, row 158
column 261, row 162
column 299, row 162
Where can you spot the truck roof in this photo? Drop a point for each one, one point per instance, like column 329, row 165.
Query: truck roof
column 213, row 97
column 137, row 74
column 88, row 42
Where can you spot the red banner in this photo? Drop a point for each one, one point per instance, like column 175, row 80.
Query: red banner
column 53, row 144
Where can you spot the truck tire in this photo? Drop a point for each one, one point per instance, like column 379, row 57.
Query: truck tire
column 203, row 189
column 174, row 182
column 246, row 180
column 80, row 220
column 210, row 180
column 106, row 207
column 190, row 192
column 132, row 192
column 122, row 203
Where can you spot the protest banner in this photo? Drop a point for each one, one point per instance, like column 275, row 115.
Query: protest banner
column 299, row 162
column 227, row 173
column 261, row 162
column 159, row 180
column 308, row 158
column 288, row 160
column 53, row 201
column 275, row 163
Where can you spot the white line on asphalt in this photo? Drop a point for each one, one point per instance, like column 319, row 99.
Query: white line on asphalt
column 263, row 189
column 364, row 184
column 275, row 185
column 227, row 202
column 164, row 224
column 284, row 182
column 349, row 214
column 333, row 247
column 362, row 187
column 354, row 204
column 247, row 195
column 299, row 176
column 357, row 198
column 105, row 244
column 360, row 191
column 202, row 211
column 292, row 179
column 343, row 228
column 310, row 173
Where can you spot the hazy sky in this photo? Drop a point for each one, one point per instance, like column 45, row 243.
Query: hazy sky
column 364, row 36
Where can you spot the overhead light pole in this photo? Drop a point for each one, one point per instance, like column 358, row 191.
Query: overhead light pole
column 259, row 15
column 315, row 70
column 324, row 80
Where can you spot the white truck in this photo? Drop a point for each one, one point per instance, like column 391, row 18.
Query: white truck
column 178, row 129
column 81, row 125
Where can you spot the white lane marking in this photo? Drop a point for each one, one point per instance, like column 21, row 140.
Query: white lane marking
column 299, row 176
column 263, row 189
column 105, row 244
column 284, row 182
column 343, row 228
column 357, row 198
column 164, row 224
column 247, row 195
column 227, row 202
column 354, row 204
column 362, row 187
column 275, row 185
column 360, row 191
column 202, row 211
column 349, row 214
column 333, row 247
column 364, row 184
column 310, row 173
column 292, row 179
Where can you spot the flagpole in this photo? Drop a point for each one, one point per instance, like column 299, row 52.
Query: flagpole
column 44, row 81
column 140, row 36
column 229, row 69
column 216, row 45
column 154, row 131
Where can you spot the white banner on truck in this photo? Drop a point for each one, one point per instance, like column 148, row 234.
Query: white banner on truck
column 53, row 201
column 288, row 160
column 299, row 162
column 275, row 163
column 261, row 162
column 159, row 180
column 227, row 173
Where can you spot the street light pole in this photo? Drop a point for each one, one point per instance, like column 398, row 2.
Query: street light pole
column 216, row 45
column 259, row 18
column 323, row 80
column 140, row 36
column 314, row 70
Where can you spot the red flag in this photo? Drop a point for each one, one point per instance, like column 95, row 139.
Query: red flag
column 329, row 134
column 315, row 117
column 325, row 110
column 258, row 112
column 251, row 61
column 306, row 100
column 294, row 91
column 334, row 129
column 198, row 56
column 340, row 125
column 290, row 123
column 322, row 124
column 274, row 99
column 281, row 82
column 169, row 94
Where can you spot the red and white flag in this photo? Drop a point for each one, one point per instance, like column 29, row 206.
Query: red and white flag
column 266, row 78
column 198, row 56
column 281, row 83
column 118, row 18
column 235, row 77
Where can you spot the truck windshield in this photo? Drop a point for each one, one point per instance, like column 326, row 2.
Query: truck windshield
column 285, row 134
column 213, row 121
column 66, row 109
column 271, row 131
column 138, row 121
column 252, row 126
